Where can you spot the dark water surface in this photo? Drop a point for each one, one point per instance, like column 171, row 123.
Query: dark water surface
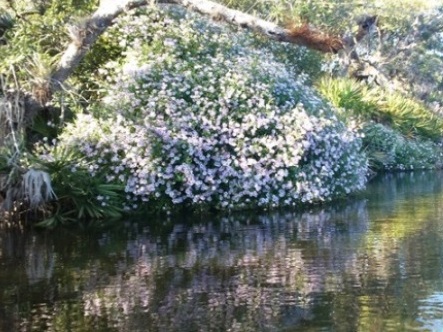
column 370, row 264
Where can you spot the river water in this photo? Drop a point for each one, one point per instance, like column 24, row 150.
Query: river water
column 373, row 263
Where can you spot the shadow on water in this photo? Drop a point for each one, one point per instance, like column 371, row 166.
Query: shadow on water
column 372, row 264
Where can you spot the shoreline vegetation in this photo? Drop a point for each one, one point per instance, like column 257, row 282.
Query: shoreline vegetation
column 172, row 110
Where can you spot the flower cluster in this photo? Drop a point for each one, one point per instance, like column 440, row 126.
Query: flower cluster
column 203, row 118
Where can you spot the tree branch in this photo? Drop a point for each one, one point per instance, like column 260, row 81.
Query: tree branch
column 84, row 36
column 108, row 10
column 111, row 9
column 238, row 18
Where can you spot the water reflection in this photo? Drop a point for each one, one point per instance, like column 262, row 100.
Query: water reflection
column 372, row 264
column 431, row 312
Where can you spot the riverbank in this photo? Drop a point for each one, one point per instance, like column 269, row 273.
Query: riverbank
column 220, row 120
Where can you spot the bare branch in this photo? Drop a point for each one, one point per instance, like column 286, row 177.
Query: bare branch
column 110, row 9
column 236, row 17
column 91, row 31
column 104, row 17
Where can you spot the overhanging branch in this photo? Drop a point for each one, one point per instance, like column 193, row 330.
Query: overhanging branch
column 108, row 10
column 104, row 17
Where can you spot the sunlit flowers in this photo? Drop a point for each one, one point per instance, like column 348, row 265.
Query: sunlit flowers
column 200, row 117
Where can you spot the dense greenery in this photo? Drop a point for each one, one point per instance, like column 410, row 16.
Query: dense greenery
column 399, row 132
column 336, row 15
column 411, row 118
column 169, row 109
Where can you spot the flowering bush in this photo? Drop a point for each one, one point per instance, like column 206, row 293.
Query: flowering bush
column 200, row 117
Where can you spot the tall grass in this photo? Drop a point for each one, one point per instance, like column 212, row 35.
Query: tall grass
column 410, row 117
column 399, row 133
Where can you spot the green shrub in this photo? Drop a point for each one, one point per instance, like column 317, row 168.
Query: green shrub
column 411, row 118
column 79, row 196
column 388, row 150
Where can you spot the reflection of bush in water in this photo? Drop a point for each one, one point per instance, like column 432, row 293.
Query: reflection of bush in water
column 244, row 272
column 401, row 187
column 238, row 273
column 395, row 186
